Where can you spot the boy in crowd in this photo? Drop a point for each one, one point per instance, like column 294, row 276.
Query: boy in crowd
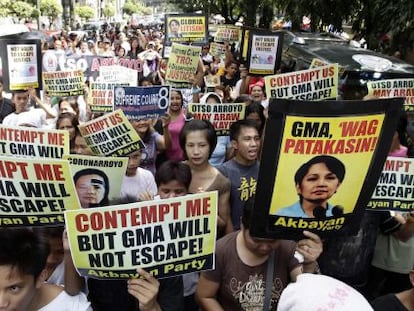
column 23, row 259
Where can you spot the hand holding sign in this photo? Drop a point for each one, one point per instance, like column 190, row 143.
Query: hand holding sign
column 145, row 289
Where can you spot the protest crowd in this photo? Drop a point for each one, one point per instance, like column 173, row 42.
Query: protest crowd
column 104, row 137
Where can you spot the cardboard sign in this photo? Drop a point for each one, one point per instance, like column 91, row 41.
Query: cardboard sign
column 264, row 52
column 312, row 84
column 63, row 83
column 33, row 142
column 111, row 134
column 35, row 192
column 395, row 188
column 182, row 65
column 220, row 115
column 21, row 61
column 306, row 144
column 316, row 62
column 227, row 33
column 186, row 28
column 140, row 103
column 166, row 237
column 393, row 88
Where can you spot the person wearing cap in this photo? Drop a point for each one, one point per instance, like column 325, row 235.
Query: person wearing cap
column 314, row 292
column 106, row 49
column 151, row 59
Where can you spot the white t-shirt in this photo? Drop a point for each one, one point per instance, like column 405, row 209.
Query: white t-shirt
column 35, row 117
column 65, row 302
column 133, row 186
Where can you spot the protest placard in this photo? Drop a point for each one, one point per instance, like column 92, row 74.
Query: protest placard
column 264, row 52
column 186, row 28
column 111, row 169
column 227, row 33
column 316, row 62
column 35, row 192
column 33, row 142
column 166, row 237
column 395, row 188
column 312, row 84
column 220, row 115
column 218, row 50
column 117, row 73
column 101, row 96
column 89, row 64
column 393, row 88
column 111, row 134
column 63, row 83
column 139, row 103
column 305, row 144
column 21, row 61
column 182, row 65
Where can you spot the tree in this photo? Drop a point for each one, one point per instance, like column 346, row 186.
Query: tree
column 85, row 12
column 21, row 9
column 5, row 8
column 108, row 10
column 51, row 8
column 136, row 7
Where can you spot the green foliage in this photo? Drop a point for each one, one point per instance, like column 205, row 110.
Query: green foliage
column 85, row 12
column 5, row 8
column 109, row 10
column 136, row 7
column 21, row 9
column 51, row 8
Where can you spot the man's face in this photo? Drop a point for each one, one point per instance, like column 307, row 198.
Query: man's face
column 171, row 189
column 20, row 101
column 247, row 145
column 90, row 189
column 16, row 290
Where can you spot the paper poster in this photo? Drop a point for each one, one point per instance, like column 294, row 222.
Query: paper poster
column 101, row 96
column 264, row 52
column 220, row 115
column 395, row 188
column 313, row 84
column 117, row 73
column 186, row 28
column 182, row 65
column 63, row 83
column 165, row 237
column 33, row 142
column 21, row 64
column 138, row 103
column 35, row 192
column 393, row 88
column 111, row 134
column 316, row 62
column 109, row 170
column 320, row 164
column 227, row 33
column 218, row 50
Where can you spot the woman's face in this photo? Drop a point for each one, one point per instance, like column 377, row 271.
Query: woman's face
column 174, row 27
column 141, row 126
column 90, row 189
column 66, row 124
column 255, row 117
column 121, row 52
column 197, row 147
column 65, row 107
column 134, row 43
column 257, row 93
column 175, row 102
column 319, row 184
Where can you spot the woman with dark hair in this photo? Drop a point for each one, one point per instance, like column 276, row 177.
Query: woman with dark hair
column 92, row 186
column 69, row 122
column 198, row 140
column 136, row 48
column 255, row 112
column 316, row 182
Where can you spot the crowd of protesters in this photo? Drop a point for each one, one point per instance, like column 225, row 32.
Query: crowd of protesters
column 185, row 156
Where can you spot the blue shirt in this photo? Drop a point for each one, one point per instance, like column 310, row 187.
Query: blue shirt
column 295, row 210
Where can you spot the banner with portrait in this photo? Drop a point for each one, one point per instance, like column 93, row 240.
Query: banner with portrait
column 186, row 28
column 21, row 64
column 395, row 188
column 320, row 164
column 167, row 237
